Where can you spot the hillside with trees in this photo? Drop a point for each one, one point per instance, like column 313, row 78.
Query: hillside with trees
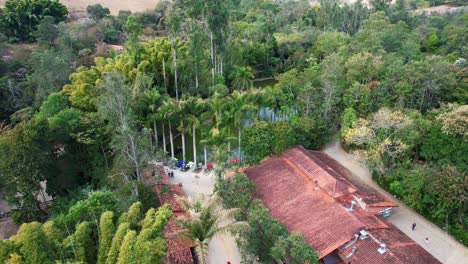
column 217, row 81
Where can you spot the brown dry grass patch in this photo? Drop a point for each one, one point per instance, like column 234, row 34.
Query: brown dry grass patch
column 113, row 5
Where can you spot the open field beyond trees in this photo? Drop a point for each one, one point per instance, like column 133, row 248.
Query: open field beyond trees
column 114, row 6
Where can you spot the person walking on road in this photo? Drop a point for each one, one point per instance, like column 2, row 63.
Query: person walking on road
column 414, row 226
column 426, row 240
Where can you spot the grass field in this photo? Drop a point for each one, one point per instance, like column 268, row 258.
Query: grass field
column 113, row 5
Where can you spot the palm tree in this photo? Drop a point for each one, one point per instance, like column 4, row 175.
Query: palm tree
column 214, row 107
column 242, row 78
column 153, row 102
column 240, row 106
column 192, row 112
column 182, row 127
column 169, row 112
column 204, row 219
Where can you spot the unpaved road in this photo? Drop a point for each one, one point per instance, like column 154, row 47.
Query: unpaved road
column 222, row 248
column 442, row 246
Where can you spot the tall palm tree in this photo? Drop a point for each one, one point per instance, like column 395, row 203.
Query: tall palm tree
column 215, row 106
column 153, row 102
column 183, row 125
column 242, row 77
column 204, row 219
column 169, row 112
column 192, row 111
column 241, row 104
column 213, row 114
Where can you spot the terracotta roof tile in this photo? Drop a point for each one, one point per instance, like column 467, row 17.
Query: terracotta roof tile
column 329, row 180
column 366, row 252
column 293, row 200
column 403, row 246
column 309, row 193
column 371, row 197
column 179, row 251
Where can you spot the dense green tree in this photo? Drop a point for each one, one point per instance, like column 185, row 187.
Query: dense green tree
column 47, row 31
column 106, row 233
column 127, row 250
column 116, row 243
column 236, row 192
column 241, row 78
column 263, row 233
column 32, row 244
column 262, row 139
column 97, row 11
column 82, row 242
column 25, row 157
column 91, row 208
column 294, row 249
column 51, row 71
column 19, row 19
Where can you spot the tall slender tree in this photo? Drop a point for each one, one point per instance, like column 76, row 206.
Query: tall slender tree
column 169, row 111
column 192, row 111
column 241, row 105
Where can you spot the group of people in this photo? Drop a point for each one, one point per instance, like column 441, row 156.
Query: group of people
column 170, row 174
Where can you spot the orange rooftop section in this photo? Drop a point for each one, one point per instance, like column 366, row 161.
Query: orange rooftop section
column 312, row 194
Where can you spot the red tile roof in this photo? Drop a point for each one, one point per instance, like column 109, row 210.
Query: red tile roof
column 366, row 252
column 293, row 199
column 309, row 193
column 179, row 251
column 328, row 180
column 371, row 197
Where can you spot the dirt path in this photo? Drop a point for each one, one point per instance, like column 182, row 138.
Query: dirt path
column 442, row 246
column 223, row 247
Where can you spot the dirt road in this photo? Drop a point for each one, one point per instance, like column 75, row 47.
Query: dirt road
column 223, row 247
column 442, row 246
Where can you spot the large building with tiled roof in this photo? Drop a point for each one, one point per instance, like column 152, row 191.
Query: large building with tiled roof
column 340, row 217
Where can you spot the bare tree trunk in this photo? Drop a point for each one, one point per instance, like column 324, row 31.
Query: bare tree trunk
column 183, row 146
column 164, row 139
column 105, row 158
column 221, row 66
column 164, row 73
column 204, row 150
column 155, row 128
column 196, row 75
column 239, row 131
column 174, row 58
column 150, row 142
column 135, row 157
column 171, row 140
column 229, row 141
column 194, row 137
column 212, row 60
